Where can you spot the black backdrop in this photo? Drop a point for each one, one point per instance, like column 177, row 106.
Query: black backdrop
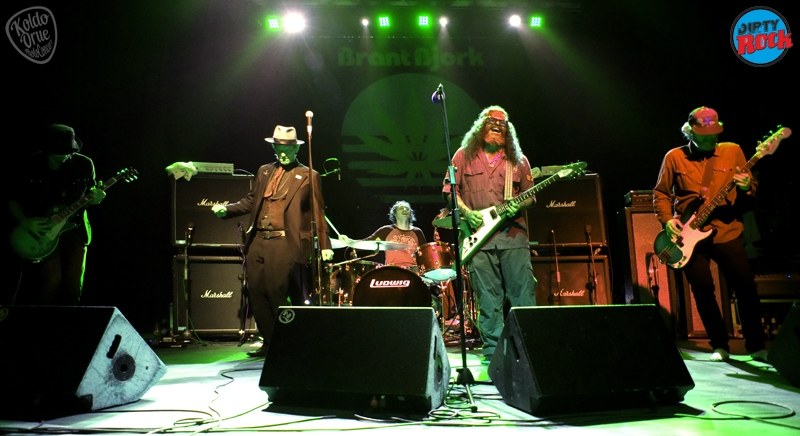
column 149, row 83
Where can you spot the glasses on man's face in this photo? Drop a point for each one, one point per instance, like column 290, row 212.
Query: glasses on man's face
column 492, row 121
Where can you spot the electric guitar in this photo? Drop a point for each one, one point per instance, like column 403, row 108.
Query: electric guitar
column 472, row 240
column 35, row 248
column 677, row 251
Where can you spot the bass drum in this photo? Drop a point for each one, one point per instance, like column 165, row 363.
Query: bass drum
column 392, row 286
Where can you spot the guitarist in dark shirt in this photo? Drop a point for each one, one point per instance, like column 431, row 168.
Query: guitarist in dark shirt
column 685, row 176
column 56, row 175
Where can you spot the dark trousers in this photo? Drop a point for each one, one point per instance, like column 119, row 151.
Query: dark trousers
column 272, row 278
column 732, row 261
column 58, row 279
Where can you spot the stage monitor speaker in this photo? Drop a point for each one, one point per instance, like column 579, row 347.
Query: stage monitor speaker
column 565, row 211
column 356, row 358
column 211, row 297
column 191, row 208
column 94, row 359
column 603, row 357
column 576, row 276
column 784, row 354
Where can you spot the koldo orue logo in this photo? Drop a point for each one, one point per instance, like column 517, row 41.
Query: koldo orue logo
column 32, row 32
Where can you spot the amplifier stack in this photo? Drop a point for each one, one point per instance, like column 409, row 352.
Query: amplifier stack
column 568, row 240
column 208, row 269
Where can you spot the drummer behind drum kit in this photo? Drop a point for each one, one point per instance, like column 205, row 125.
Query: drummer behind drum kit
column 359, row 282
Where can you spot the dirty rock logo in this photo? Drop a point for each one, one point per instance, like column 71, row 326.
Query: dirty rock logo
column 32, row 32
column 760, row 36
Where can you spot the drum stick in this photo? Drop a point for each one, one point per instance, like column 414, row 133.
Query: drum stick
column 332, row 226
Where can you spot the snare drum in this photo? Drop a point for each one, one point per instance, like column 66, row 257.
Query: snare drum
column 391, row 286
column 435, row 261
column 339, row 280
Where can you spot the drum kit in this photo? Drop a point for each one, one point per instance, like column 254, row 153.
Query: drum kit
column 360, row 282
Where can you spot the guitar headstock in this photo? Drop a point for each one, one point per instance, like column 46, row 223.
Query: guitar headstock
column 769, row 145
column 572, row 170
column 128, row 174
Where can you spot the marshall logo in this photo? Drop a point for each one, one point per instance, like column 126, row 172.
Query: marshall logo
column 210, row 294
column 389, row 283
column 573, row 293
column 554, row 203
column 208, row 203
column 32, row 32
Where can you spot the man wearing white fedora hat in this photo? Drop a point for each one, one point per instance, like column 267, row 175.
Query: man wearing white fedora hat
column 278, row 246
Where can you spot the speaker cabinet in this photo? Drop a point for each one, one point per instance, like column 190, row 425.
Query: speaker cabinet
column 208, row 290
column 576, row 274
column 565, row 211
column 646, row 280
column 95, row 360
column 603, row 357
column 360, row 358
column 784, row 354
column 191, row 208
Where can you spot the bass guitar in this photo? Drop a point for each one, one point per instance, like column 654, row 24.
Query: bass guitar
column 677, row 251
column 472, row 240
column 35, row 248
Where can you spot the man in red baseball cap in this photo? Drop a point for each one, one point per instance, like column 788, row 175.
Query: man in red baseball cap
column 695, row 173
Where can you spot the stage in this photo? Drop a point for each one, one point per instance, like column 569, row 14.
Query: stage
column 214, row 387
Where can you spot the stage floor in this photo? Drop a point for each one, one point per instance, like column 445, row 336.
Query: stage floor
column 214, row 387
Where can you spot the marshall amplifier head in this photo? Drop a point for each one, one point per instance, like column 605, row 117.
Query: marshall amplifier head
column 192, row 219
column 568, row 214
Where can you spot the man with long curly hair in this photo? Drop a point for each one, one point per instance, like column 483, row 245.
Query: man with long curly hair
column 490, row 170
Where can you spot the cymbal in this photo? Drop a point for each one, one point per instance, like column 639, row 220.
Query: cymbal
column 335, row 243
column 445, row 222
column 377, row 245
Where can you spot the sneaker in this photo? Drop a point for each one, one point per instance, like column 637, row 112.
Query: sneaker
column 760, row 355
column 719, row 355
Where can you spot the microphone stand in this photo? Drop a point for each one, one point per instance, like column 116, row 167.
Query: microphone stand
column 315, row 253
column 558, row 272
column 592, row 285
column 465, row 377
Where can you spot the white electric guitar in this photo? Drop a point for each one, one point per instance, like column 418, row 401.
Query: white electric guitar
column 472, row 240
column 677, row 251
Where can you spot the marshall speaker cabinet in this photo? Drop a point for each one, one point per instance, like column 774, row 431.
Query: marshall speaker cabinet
column 576, row 285
column 207, row 296
column 192, row 219
column 568, row 214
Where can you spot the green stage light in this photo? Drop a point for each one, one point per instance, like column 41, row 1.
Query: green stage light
column 383, row 21
column 424, row 21
column 273, row 23
column 536, row 21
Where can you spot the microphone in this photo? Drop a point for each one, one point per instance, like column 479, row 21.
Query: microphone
column 309, row 115
column 189, row 230
column 438, row 95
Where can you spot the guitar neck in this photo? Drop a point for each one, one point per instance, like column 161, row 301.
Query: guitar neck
column 74, row 207
column 529, row 193
column 705, row 211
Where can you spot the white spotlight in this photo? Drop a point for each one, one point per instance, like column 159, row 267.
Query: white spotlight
column 443, row 21
column 294, row 22
column 515, row 20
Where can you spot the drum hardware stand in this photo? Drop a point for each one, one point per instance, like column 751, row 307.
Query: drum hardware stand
column 465, row 377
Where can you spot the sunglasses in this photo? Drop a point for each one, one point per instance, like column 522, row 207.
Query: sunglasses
column 496, row 122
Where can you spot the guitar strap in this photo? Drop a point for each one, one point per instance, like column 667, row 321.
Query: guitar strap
column 509, row 179
column 707, row 177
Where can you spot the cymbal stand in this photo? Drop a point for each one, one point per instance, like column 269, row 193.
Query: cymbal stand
column 465, row 377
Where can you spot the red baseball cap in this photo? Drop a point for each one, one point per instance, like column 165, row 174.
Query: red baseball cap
column 705, row 121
